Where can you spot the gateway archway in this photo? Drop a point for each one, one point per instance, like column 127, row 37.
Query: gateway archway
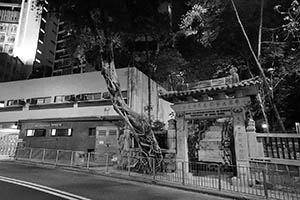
column 211, row 121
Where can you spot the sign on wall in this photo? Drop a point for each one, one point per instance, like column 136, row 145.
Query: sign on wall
column 212, row 104
column 51, row 125
column 207, row 114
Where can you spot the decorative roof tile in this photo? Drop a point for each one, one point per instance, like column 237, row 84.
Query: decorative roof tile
column 244, row 83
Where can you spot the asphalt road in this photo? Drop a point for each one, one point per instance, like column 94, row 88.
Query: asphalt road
column 82, row 184
column 11, row 191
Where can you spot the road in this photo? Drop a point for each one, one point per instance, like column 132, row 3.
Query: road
column 79, row 185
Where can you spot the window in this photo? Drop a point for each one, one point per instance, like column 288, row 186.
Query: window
column 61, row 132
column 35, row 132
column 89, row 97
column 11, row 39
column 102, row 132
column 106, row 95
column 2, row 38
column 59, row 99
column 10, row 103
column 112, row 132
column 44, row 100
column 92, row 131
column 2, row 104
column 41, row 34
column 3, row 27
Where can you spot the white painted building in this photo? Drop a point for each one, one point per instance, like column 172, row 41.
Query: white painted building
column 78, row 102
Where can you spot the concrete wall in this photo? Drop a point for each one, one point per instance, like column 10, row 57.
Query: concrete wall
column 140, row 93
column 79, row 141
column 78, row 84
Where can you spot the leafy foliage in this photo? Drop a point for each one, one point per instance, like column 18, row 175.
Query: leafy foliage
column 203, row 21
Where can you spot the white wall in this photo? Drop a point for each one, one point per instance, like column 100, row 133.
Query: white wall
column 139, row 88
column 78, row 84
column 58, row 85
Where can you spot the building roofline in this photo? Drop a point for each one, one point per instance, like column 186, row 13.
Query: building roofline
column 14, row 5
column 74, row 119
column 170, row 95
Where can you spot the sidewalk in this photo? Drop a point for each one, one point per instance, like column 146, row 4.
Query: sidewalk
column 148, row 179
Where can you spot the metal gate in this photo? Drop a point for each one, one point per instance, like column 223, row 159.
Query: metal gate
column 8, row 144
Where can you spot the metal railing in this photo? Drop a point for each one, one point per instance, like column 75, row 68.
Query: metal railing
column 258, row 181
column 282, row 146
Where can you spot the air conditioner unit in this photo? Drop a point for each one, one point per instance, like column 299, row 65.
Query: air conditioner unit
column 19, row 102
column 31, row 101
column 80, row 97
column 70, row 98
column 106, row 95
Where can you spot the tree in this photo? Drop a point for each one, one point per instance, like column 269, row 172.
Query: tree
column 100, row 27
column 212, row 31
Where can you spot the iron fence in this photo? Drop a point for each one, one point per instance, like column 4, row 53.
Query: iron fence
column 258, row 181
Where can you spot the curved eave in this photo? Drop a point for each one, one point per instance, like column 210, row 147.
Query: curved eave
column 170, row 96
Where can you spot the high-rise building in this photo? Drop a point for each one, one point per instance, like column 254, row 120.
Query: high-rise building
column 11, row 68
column 27, row 31
column 65, row 62
column 47, row 41
column 9, row 20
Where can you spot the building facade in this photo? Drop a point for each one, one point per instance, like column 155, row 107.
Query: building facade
column 74, row 112
column 64, row 62
column 9, row 20
column 11, row 68
column 29, row 32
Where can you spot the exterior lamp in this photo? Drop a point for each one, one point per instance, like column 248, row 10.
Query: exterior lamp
column 264, row 126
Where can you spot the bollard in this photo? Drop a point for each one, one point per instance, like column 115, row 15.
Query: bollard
column 56, row 159
column 30, row 154
column 43, row 157
column 16, row 153
column 128, row 166
column 106, row 163
column 88, row 161
column 72, row 157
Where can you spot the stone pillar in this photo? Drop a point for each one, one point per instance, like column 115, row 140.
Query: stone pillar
column 182, row 147
column 241, row 142
column 171, row 136
column 254, row 147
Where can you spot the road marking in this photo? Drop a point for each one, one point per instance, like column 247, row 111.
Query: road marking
column 45, row 189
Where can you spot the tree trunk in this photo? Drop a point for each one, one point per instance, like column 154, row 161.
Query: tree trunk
column 260, row 69
column 140, row 126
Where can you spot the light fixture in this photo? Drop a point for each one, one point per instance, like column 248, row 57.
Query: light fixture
column 264, row 125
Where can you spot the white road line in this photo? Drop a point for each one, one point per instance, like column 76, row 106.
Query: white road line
column 45, row 189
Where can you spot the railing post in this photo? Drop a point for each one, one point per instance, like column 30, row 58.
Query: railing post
column 128, row 166
column 43, row 157
column 106, row 163
column 182, row 171
column 72, row 157
column 265, row 184
column 16, row 153
column 219, row 177
column 153, row 168
column 30, row 154
column 56, row 159
column 88, row 160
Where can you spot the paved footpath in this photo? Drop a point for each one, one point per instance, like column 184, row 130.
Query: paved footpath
column 85, row 185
